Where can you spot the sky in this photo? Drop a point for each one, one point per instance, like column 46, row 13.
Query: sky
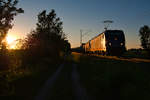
column 88, row 15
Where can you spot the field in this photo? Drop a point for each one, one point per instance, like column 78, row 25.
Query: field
column 106, row 78
column 101, row 78
column 136, row 53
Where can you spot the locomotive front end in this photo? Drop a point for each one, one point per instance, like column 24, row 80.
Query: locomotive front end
column 115, row 42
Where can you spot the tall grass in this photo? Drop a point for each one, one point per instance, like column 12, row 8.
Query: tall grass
column 115, row 79
column 19, row 71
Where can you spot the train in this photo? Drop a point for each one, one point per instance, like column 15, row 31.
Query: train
column 109, row 42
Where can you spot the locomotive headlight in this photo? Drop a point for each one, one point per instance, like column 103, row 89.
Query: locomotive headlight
column 121, row 44
column 109, row 44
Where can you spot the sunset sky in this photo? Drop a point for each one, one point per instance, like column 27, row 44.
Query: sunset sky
column 128, row 15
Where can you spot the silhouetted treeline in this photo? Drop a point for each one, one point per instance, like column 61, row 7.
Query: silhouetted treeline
column 8, row 10
column 77, row 49
column 43, row 48
column 47, row 40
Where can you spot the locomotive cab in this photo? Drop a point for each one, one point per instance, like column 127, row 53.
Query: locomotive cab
column 115, row 42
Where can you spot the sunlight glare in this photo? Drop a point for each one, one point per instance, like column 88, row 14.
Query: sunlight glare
column 11, row 41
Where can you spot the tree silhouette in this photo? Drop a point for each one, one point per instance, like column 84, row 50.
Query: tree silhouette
column 8, row 10
column 48, row 39
column 145, row 37
column 144, row 34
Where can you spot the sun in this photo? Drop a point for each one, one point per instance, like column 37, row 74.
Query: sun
column 11, row 41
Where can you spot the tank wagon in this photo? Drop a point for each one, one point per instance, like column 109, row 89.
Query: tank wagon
column 110, row 42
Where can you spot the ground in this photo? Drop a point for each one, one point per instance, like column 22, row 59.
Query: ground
column 85, row 77
column 90, row 77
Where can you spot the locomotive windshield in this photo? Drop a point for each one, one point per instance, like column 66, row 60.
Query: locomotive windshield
column 115, row 35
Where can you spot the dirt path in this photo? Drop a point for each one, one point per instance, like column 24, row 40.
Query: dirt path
column 46, row 90
column 79, row 91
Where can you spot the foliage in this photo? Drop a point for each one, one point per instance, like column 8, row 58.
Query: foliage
column 18, row 43
column 48, row 39
column 4, row 60
column 8, row 10
column 13, row 81
column 145, row 37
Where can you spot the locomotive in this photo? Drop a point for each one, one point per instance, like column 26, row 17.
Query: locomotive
column 109, row 42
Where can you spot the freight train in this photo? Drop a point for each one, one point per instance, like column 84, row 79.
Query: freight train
column 109, row 42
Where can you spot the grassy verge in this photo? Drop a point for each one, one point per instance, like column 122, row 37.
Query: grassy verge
column 114, row 79
column 29, row 85
column 23, row 83
column 136, row 54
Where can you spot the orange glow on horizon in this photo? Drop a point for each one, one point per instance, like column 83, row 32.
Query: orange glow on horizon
column 10, row 39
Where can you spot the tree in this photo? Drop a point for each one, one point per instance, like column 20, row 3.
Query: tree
column 8, row 10
column 144, row 34
column 48, row 39
column 145, row 37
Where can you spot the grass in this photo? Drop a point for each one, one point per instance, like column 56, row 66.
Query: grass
column 103, row 78
column 114, row 79
column 24, row 81
column 30, row 85
column 136, row 54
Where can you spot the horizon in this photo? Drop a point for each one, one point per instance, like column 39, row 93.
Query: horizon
column 127, row 15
